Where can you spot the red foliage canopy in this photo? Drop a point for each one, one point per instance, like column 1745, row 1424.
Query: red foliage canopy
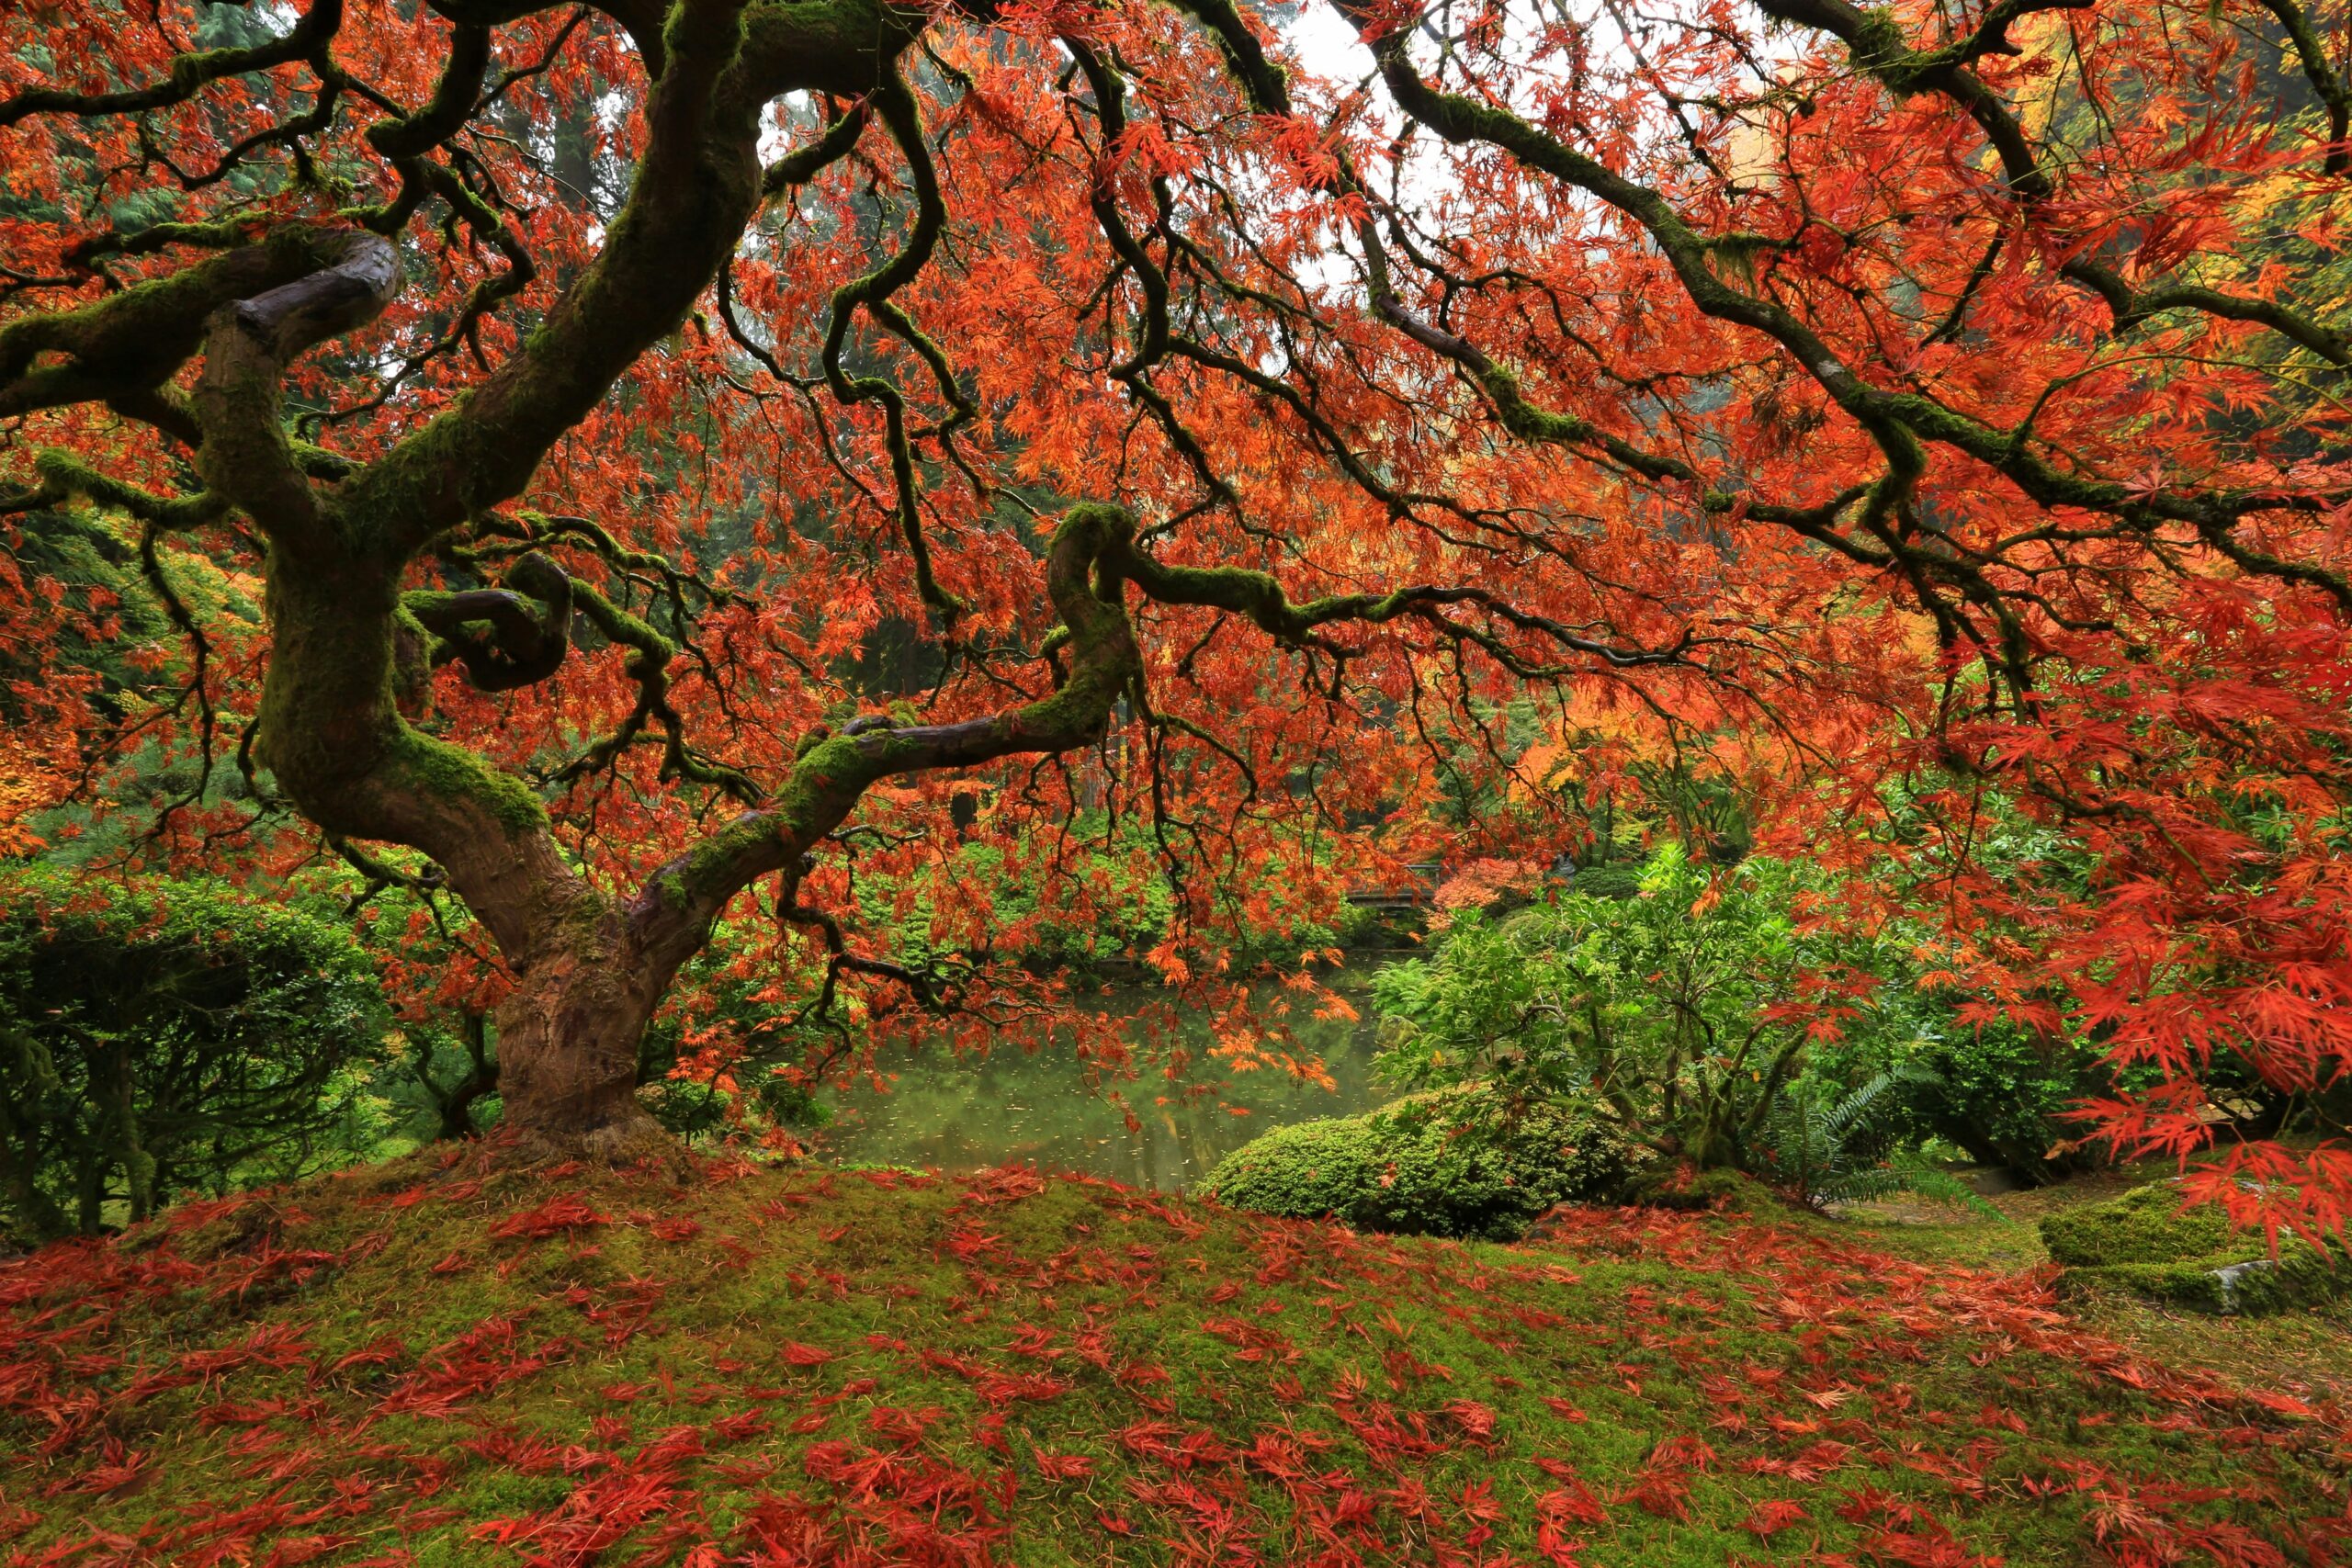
column 1919, row 402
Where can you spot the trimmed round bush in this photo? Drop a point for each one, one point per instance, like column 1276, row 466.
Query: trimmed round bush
column 2146, row 1244
column 1447, row 1164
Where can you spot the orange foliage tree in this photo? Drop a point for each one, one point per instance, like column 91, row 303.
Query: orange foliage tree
column 1942, row 397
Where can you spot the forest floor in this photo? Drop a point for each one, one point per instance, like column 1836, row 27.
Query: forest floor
column 425, row 1363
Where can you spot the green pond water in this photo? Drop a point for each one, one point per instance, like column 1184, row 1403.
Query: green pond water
column 1015, row 1108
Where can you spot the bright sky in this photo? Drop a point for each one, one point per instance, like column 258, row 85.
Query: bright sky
column 1326, row 45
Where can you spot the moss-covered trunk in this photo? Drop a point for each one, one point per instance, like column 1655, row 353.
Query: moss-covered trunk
column 568, row 1042
column 567, row 1057
column 342, row 751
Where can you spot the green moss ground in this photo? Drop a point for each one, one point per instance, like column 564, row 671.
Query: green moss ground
column 425, row 1366
column 2305, row 1352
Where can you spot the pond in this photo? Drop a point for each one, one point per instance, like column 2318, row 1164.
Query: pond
column 1013, row 1107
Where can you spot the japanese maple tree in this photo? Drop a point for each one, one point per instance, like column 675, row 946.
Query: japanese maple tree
column 1944, row 395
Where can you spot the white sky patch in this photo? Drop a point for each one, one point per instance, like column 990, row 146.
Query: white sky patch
column 784, row 125
column 1329, row 46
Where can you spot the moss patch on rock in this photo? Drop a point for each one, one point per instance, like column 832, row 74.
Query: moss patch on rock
column 1443, row 1164
column 2146, row 1244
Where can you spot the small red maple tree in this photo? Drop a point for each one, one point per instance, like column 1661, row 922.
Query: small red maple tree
column 1907, row 390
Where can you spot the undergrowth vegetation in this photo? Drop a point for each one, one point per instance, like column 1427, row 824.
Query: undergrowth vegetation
column 1609, row 1040
column 185, row 1038
column 434, row 1363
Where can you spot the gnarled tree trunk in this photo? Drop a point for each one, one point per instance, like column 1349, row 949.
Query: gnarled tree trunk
column 568, row 1048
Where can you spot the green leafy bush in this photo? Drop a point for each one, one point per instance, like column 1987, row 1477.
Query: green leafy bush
column 1672, row 1008
column 2010, row 1070
column 1447, row 1164
column 2145, row 1242
column 1999, row 1091
column 2004, row 1097
column 154, row 1040
column 1721, row 1029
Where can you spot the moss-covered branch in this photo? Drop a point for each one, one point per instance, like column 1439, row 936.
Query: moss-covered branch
column 247, row 456
column 1093, row 558
column 514, row 634
column 676, row 910
column 132, row 342
column 649, row 666
column 188, row 74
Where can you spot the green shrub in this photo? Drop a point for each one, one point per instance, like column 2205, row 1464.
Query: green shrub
column 1618, row 879
column 2145, row 1242
column 1671, row 1007
column 1445, row 1164
column 2004, row 1098
column 1726, row 1027
column 185, row 1035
